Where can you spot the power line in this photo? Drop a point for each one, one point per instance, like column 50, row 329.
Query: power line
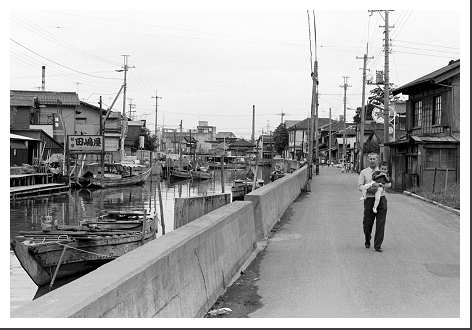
column 423, row 43
column 59, row 64
column 429, row 50
column 38, row 30
column 431, row 55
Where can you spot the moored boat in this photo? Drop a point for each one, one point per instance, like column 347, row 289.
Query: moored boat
column 201, row 173
column 115, row 175
column 66, row 251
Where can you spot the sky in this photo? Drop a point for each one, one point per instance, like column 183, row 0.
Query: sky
column 214, row 63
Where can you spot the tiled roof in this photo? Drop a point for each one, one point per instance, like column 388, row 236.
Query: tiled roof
column 303, row 124
column 221, row 135
column 430, row 77
column 25, row 98
column 241, row 143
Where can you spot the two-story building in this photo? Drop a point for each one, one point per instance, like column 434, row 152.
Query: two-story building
column 428, row 156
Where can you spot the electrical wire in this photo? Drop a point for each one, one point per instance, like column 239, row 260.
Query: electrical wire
column 425, row 44
column 429, row 50
column 59, row 64
column 431, row 55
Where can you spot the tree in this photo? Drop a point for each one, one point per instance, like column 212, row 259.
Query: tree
column 280, row 138
column 376, row 99
column 368, row 114
column 150, row 140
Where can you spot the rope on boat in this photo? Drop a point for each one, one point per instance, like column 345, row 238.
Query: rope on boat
column 74, row 248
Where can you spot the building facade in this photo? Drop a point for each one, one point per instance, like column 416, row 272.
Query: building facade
column 428, row 155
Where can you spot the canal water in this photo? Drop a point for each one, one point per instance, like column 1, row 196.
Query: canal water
column 69, row 208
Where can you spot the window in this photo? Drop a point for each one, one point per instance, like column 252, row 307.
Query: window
column 417, row 113
column 440, row 158
column 437, row 110
column 81, row 121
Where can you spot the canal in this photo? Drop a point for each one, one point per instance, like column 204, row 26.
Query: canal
column 69, row 208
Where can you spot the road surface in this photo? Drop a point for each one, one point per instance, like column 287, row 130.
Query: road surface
column 316, row 265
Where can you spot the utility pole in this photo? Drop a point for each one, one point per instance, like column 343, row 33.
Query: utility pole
column 123, row 115
column 282, row 115
column 329, row 137
column 155, row 121
column 43, row 77
column 102, row 133
column 180, row 146
column 313, row 121
column 361, row 134
column 253, row 122
column 344, row 86
column 387, row 28
column 131, row 107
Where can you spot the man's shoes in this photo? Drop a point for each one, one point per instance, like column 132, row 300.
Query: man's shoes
column 378, row 249
column 367, row 245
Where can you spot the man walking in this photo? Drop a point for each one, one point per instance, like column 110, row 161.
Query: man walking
column 365, row 177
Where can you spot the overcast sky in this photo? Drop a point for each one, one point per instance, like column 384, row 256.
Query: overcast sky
column 214, row 64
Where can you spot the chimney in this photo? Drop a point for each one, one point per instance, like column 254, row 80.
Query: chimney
column 253, row 122
column 43, row 77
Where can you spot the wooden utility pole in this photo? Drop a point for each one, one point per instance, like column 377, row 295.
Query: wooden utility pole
column 329, row 137
column 131, row 107
column 316, row 82
column 386, row 114
column 155, row 121
column 363, row 108
column 180, row 146
column 223, row 167
column 123, row 116
column 312, row 113
column 344, row 86
column 102, row 133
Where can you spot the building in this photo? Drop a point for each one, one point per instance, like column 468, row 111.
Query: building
column 135, row 129
column 298, row 137
column 428, row 155
column 241, row 147
column 29, row 146
column 53, row 112
column 228, row 137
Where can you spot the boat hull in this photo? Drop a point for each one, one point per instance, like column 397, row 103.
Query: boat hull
column 79, row 256
column 117, row 182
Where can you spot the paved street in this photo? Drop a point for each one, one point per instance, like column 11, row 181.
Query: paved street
column 316, row 264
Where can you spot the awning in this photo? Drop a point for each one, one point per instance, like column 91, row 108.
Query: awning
column 21, row 137
column 425, row 139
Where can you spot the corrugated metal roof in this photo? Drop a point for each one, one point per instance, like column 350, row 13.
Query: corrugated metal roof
column 25, row 98
column 429, row 77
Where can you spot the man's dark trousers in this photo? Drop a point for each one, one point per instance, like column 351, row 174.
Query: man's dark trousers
column 379, row 217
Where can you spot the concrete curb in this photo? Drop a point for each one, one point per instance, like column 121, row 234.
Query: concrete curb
column 450, row 209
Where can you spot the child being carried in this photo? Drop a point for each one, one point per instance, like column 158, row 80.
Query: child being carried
column 377, row 177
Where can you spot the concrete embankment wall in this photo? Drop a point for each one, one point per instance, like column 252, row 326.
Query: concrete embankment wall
column 271, row 201
column 178, row 275
column 191, row 208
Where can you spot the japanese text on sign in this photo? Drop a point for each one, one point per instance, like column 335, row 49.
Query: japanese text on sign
column 85, row 143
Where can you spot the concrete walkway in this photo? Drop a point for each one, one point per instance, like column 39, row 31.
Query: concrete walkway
column 316, row 265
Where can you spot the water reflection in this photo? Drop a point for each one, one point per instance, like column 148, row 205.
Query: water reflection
column 71, row 207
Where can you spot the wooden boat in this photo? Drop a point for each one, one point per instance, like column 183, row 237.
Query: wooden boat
column 242, row 187
column 68, row 251
column 115, row 175
column 180, row 174
column 201, row 173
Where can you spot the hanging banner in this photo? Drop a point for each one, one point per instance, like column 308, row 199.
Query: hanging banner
column 85, row 143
